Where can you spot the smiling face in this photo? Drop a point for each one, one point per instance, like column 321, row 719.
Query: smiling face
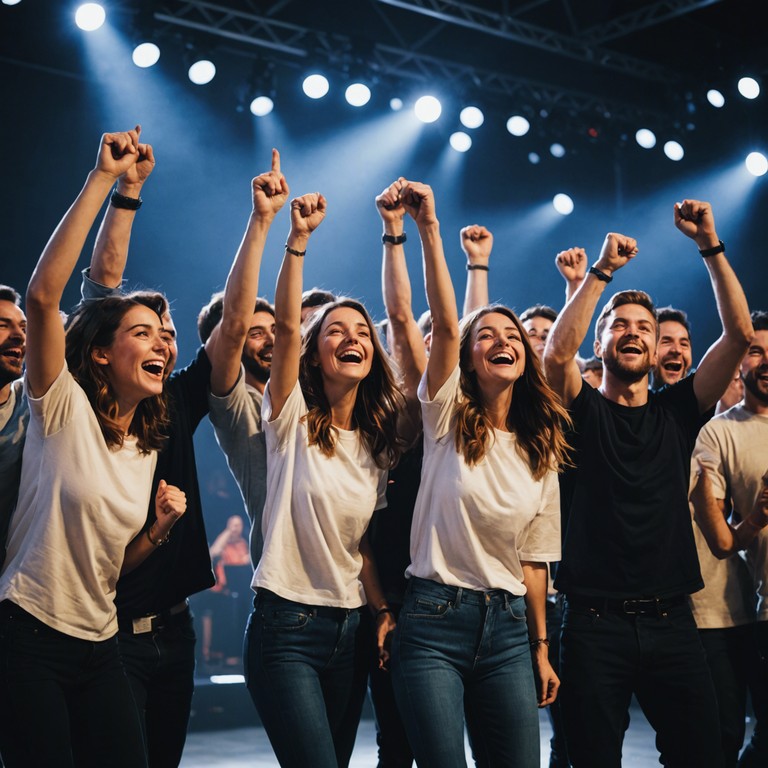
column 674, row 353
column 257, row 350
column 345, row 347
column 13, row 337
column 136, row 360
column 169, row 336
column 538, row 329
column 497, row 351
column 627, row 344
column 754, row 373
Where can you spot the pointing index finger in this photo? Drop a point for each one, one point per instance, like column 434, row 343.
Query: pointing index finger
column 275, row 161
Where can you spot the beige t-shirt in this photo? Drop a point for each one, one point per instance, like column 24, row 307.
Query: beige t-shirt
column 734, row 448
column 472, row 526
column 80, row 504
column 316, row 512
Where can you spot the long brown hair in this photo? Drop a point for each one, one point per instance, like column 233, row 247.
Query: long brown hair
column 94, row 324
column 535, row 415
column 378, row 403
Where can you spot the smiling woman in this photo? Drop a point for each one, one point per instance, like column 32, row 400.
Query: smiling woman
column 97, row 420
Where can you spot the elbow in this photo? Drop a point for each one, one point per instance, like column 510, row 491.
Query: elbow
column 399, row 316
column 233, row 329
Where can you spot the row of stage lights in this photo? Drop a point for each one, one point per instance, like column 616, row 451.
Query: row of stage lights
column 91, row 16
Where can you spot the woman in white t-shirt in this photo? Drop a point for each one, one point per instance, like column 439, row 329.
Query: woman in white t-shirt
column 330, row 418
column 485, row 525
column 97, row 414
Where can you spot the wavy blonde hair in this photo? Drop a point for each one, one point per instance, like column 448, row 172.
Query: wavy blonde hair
column 536, row 415
column 378, row 404
column 94, row 324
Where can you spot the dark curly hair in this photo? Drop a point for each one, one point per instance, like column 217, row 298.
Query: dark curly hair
column 94, row 324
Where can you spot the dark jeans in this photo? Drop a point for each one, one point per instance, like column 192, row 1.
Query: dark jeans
column 160, row 666
column 65, row 701
column 458, row 651
column 558, row 755
column 755, row 754
column 606, row 656
column 299, row 662
column 729, row 657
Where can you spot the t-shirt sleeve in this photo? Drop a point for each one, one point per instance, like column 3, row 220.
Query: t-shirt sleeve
column 189, row 387
column 681, row 399
column 282, row 430
column 57, row 407
column 90, row 290
column 709, row 452
column 437, row 413
column 541, row 543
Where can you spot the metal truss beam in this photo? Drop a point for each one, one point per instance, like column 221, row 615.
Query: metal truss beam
column 515, row 30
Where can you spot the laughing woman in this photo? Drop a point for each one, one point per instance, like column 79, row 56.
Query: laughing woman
column 97, row 414
column 486, row 523
column 329, row 414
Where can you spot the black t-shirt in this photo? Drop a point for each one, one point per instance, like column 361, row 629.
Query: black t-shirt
column 390, row 528
column 626, row 522
column 182, row 566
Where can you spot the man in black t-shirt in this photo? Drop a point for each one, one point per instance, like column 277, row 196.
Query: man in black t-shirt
column 629, row 558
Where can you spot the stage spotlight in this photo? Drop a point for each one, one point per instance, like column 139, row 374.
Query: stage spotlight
column 146, row 55
column 358, row 94
column 427, row 109
column 646, row 138
column 517, row 125
column 757, row 163
column 557, row 150
column 11, row 2
column 562, row 204
column 533, row 158
column 715, row 98
column 90, row 16
column 471, row 117
column 262, row 105
column 315, row 86
column 460, row 141
column 749, row 88
column 395, row 104
column 674, row 150
column 202, row 72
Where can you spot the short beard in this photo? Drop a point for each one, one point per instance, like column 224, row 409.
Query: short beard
column 8, row 375
column 255, row 368
column 627, row 375
column 750, row 383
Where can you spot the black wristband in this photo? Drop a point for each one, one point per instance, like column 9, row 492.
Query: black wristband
column 159, row 542
column 539, row 641
column 600, row 275
column 293, row 251
column 382, row 611
column 121, row 201
column 394, row 239
column 720, row 248
column 481, row 267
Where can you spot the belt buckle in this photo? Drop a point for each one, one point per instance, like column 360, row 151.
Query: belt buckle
column 142, row 625
column 641, row 606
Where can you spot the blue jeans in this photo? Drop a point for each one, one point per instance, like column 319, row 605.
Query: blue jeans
column 65, row 701
column 458, row 651
column 160, row 667
column 607, row 655
column 299, row 662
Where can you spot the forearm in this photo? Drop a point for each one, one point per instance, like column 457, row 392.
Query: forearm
column 732, row 304
column 535, row 580
column 476, row 292
column 142, row 547
column 437, row 279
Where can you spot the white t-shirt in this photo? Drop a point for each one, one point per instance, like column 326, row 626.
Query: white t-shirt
column 317, row 510
column 734, row 447
column 472, row 526
column 80, row 504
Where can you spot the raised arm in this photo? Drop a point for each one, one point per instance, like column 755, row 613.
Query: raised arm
column 695, row 220
column 45, row 334
column 406, row 342
column 224, row 348
column 419, row 202
column 477, row 244
column 110, row 251
column 306, row 214
column 572, row 265
column 573, row 322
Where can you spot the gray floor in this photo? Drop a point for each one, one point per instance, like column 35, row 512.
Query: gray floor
column 243, row 747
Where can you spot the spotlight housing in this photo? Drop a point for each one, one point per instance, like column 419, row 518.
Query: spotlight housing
column 715, row 98
column 316, row 86
column 471, row 117
column 557, row 150
column 395, row 104
column 261, row 106
column 757, row 163
column 145, row 55
column 646, row 138
column 428, row 109
column 749, row 88
column 563, row 204
column 460, row 141
column 202, row 72
column 358, row 94
column 517, row 125
column 90, row 16
column 674, row 150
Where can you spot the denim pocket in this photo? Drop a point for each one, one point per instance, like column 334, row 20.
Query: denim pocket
column 419, row 607
column 289, row 619
column 516, row 609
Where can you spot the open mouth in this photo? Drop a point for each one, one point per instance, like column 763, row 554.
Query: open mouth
column 351, row 356
column 502, row 358
column 154, row 367
column 266, row 357
column 13, row 353
column 673, row 366
column 631, row 349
